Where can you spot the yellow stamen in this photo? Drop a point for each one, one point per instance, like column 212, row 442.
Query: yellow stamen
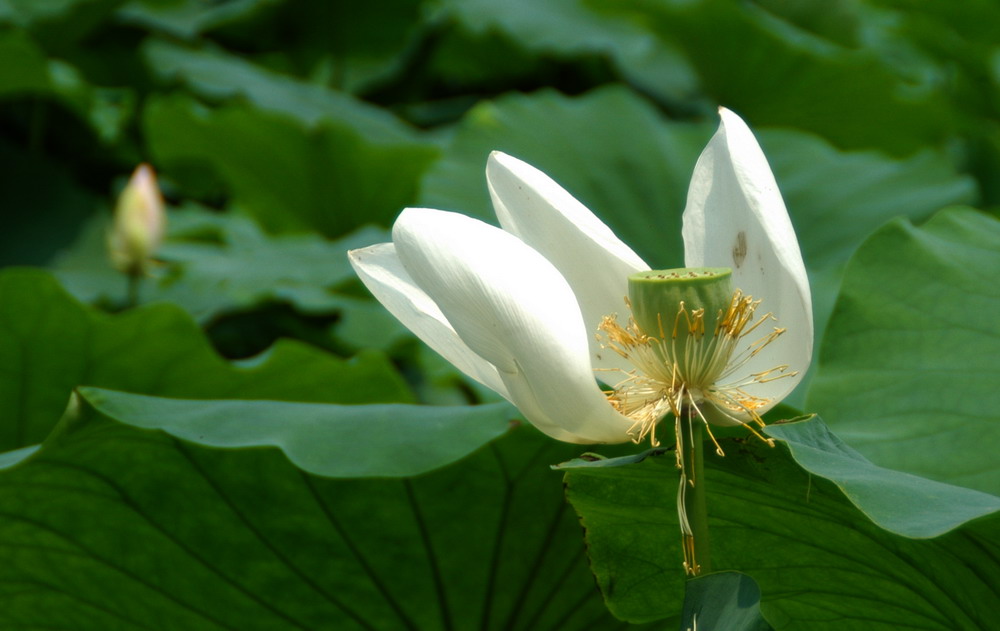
column 689, row 368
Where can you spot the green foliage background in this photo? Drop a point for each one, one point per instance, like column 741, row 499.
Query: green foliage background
column 367, row 494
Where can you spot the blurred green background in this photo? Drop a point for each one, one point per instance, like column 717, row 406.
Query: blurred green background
column 273, row 123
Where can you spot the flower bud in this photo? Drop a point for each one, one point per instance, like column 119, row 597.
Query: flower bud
column 139, row 223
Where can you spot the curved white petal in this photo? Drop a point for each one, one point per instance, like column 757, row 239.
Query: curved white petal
column 735, row 217
column 513, row 308
column 380, row 269
column 590, row 257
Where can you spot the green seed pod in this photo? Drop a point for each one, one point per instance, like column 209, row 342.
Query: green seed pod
column 664, row 301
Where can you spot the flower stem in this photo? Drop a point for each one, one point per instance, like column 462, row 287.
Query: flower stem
column 691, row 501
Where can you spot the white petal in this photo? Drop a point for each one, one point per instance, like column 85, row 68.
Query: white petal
column 735, row 217
column 513, row 308
column 380, row 269
column 590, row 257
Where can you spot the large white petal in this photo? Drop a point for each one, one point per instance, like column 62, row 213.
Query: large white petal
column 590, row 257
column 380, row 269
column 513, row 308
column 735, row 217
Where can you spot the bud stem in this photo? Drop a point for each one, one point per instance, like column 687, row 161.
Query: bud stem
column 134, row 279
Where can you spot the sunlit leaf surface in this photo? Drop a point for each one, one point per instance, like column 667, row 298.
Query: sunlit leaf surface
column 50, row 344
column 726, row 601
column 151, row 532
column 820, row 563
column 909, row 368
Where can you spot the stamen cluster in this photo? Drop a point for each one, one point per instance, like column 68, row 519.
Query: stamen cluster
column 688, row 363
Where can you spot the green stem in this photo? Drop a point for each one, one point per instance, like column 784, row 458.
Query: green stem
column 134, row 281
column 694, row 503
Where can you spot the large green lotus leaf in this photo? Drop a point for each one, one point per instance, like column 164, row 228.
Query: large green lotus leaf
column 219, row 264
column 726, row 601
column 112, row 527
column 26, row 12
column 59, row 23
column 355, row 47
column 968, row 26
column 902, row 503
column 909, row 369
column 22, row 12
column 109, row 111
column 838, row 198
column 23, row 66
column 775, row 73
column 365, row 323
column 217, row 75
column 288, row 175
column 351, row 46
column 26, row 70
column 50, row 344
column 338, row 441
column 820, row 563
column 838, row 21
column 249, row 268
column 571, row 29
column 555, row 26
column 961, row 38
column 11, row 458
column 188, row 18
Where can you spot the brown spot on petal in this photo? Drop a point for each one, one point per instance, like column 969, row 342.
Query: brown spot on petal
column 740, row 249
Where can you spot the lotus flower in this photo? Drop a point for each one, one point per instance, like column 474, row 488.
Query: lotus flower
column 139, row 223
column 530, row 310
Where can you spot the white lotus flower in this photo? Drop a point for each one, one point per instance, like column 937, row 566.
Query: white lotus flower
column 517, row 309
